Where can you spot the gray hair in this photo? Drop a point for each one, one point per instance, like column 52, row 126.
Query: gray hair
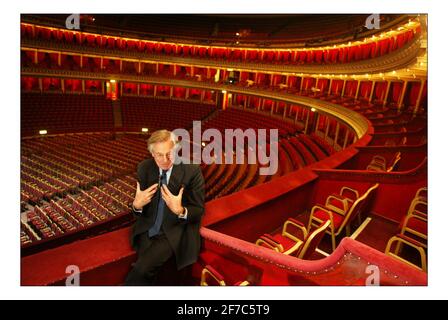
column 161, row 136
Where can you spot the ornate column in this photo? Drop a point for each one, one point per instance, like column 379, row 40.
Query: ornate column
column 419, row 98
column 345, row 139
column 307, row 121
column 357, row 89
column 317, row 123
column 343, row 88
column 327, row 129
column 387, row 93
column 372, row 91
column 336, row 136
column 400, row 103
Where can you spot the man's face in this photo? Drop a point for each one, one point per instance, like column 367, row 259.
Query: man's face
column 163, row 154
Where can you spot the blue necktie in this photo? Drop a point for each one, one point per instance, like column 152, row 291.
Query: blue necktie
column 155, row 229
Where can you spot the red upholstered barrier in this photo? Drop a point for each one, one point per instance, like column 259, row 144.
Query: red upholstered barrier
column 102, row 260
column 106, row 259
column 348, row 265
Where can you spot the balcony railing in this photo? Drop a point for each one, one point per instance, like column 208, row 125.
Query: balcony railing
column 395, row 60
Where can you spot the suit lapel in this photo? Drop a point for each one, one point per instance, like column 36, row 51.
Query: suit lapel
column 153, row 174
column 176, row 177
column 153, row 177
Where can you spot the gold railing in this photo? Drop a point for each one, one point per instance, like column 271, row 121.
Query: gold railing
column 395, row 60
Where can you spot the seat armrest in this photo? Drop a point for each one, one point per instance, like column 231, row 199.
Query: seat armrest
column 268, row 241
column 330, row 204
column 408, row 240
column 351, row 191
column 298, row 225
column 209, row 270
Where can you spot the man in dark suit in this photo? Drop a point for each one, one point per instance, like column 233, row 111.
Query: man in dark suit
column 169, row 205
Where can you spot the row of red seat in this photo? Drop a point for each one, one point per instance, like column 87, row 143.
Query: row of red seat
column 76, row 113
column 64, row 168
column 301, row 56
column 74, row 212
column 234, row 118
column 412, row 233
column 161, row 113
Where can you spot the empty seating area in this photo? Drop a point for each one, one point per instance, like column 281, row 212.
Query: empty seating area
column 344, row 54
column 75, row 181
column 410, row 244
column 62, row 113
column 293, row 153
column 234, row 119
column 58, row 170
column 219, row 28
column 295, row 239
column 301, row 236
column 379, row 163
column 161, row 113
column 81, row 210
column 81, row 161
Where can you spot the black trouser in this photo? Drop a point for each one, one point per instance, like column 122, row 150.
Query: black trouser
column 152, row 254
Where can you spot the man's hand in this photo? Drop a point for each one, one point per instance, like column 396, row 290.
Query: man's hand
column 173, row 202
column 142, row 198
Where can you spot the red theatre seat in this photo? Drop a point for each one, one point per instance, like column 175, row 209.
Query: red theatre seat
column 210, row 276
column 340, row 219
column 302, row 244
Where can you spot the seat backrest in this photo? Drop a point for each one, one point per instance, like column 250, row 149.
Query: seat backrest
column 358, row 206
column 378, row 163
column 394, row 162
column 349, row 193
column 422, row 194
column 312, row 241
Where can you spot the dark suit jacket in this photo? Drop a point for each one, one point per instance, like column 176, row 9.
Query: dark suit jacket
column 182, row 234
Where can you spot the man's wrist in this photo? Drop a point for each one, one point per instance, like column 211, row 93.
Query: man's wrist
column 181, row 212
column 184, row 213
column 136, row 209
